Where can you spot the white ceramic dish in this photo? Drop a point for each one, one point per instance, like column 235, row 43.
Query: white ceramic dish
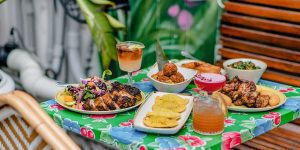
column 250, row 75
column 188, row 75
column 245, row 109
column 59, row 100
column 147, row 107
column 184, row 61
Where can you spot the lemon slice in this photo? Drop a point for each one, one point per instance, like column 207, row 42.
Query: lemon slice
column 134, row 46
column 70, row 103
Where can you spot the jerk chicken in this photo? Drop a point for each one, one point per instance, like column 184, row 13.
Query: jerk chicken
column 96, row 94
column 244, row 92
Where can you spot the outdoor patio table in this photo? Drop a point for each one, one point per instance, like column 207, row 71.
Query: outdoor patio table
column 117, row 129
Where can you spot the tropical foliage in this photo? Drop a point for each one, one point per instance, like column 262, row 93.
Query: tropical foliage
column 102, row 26
column 178, row 24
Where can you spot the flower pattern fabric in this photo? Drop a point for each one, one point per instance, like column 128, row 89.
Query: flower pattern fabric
column 118, row 129
column 167, row 143
column 229, row 121
column 126, row 135
column 193, row 141
column 230, row 139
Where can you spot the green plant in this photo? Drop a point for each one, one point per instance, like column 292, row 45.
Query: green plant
column 103, row 27
column 1, row 1
column 150, row 19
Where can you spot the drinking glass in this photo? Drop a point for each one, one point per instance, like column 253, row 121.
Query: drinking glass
column 130, row 56
column 208, row 115
column 209, row 82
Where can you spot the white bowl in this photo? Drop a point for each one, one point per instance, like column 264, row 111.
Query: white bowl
column 188, row 75
column 250, row 75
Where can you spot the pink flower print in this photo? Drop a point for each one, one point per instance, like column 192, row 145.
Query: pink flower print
column 87, row 133
column 229, row 121
column 129, row 123
column 104, row 116
column 231, row 139
column 57, row 106
column 287, row 90
column 173, row 10
column 181, row 148
column 185, row 20
column 275, row 116
column 146, row 79
column 193, row 141
column 142, row 147
column 136, row 72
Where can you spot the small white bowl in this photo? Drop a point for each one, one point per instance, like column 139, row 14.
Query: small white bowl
column 188, row 75
column 250, row 75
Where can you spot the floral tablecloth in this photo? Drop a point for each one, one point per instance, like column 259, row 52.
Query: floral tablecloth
column 117, row 129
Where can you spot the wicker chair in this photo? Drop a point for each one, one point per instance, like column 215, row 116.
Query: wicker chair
column 24, row 125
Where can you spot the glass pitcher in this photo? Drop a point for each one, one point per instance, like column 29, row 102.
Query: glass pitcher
column 208, row 115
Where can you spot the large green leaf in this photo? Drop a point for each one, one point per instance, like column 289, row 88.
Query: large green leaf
column 1, row 1
column 104, row 2
column 102, row 29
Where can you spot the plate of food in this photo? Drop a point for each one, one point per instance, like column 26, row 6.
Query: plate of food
column 96, row 96
column 244, row 96
column 200, row 66
column 163, row 113
column 172, row 78
column 245, row 68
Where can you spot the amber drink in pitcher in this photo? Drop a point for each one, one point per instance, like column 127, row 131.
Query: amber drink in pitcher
column 208, row 116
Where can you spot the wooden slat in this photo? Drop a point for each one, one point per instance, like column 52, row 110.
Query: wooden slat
column 262, row 24
column 243, row 147
column 292, row 127
column 271, row 62
column 297, row 121
column 264, row 12
column 291, row 4
column 267, row 144
column 286, row 134
column 274, row 39
column 255, row 145
column 275, row 140
column 261, row 49
column 282, row 78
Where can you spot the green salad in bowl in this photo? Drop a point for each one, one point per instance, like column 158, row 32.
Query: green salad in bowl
column 244, row 65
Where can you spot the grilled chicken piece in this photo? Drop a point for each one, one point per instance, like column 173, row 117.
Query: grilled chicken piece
column 100, row 105
column 238, row 102
column 109, row 102
column 89, row 105
column 125, row 102
column 262, row 101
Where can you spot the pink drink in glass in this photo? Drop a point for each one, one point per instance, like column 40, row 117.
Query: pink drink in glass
column 209, row 82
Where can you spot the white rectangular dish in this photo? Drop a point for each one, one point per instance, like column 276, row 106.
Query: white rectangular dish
column 147, row 107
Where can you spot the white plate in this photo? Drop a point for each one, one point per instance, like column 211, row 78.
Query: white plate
column 59, row 101
column 184, row 61
column 246, row 109
column 147, row 107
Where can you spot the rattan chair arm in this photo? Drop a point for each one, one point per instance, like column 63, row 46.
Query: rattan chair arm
column 28, row 108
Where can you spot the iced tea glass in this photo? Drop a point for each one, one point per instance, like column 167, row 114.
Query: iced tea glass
column 208, row 116
column 130, row 56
